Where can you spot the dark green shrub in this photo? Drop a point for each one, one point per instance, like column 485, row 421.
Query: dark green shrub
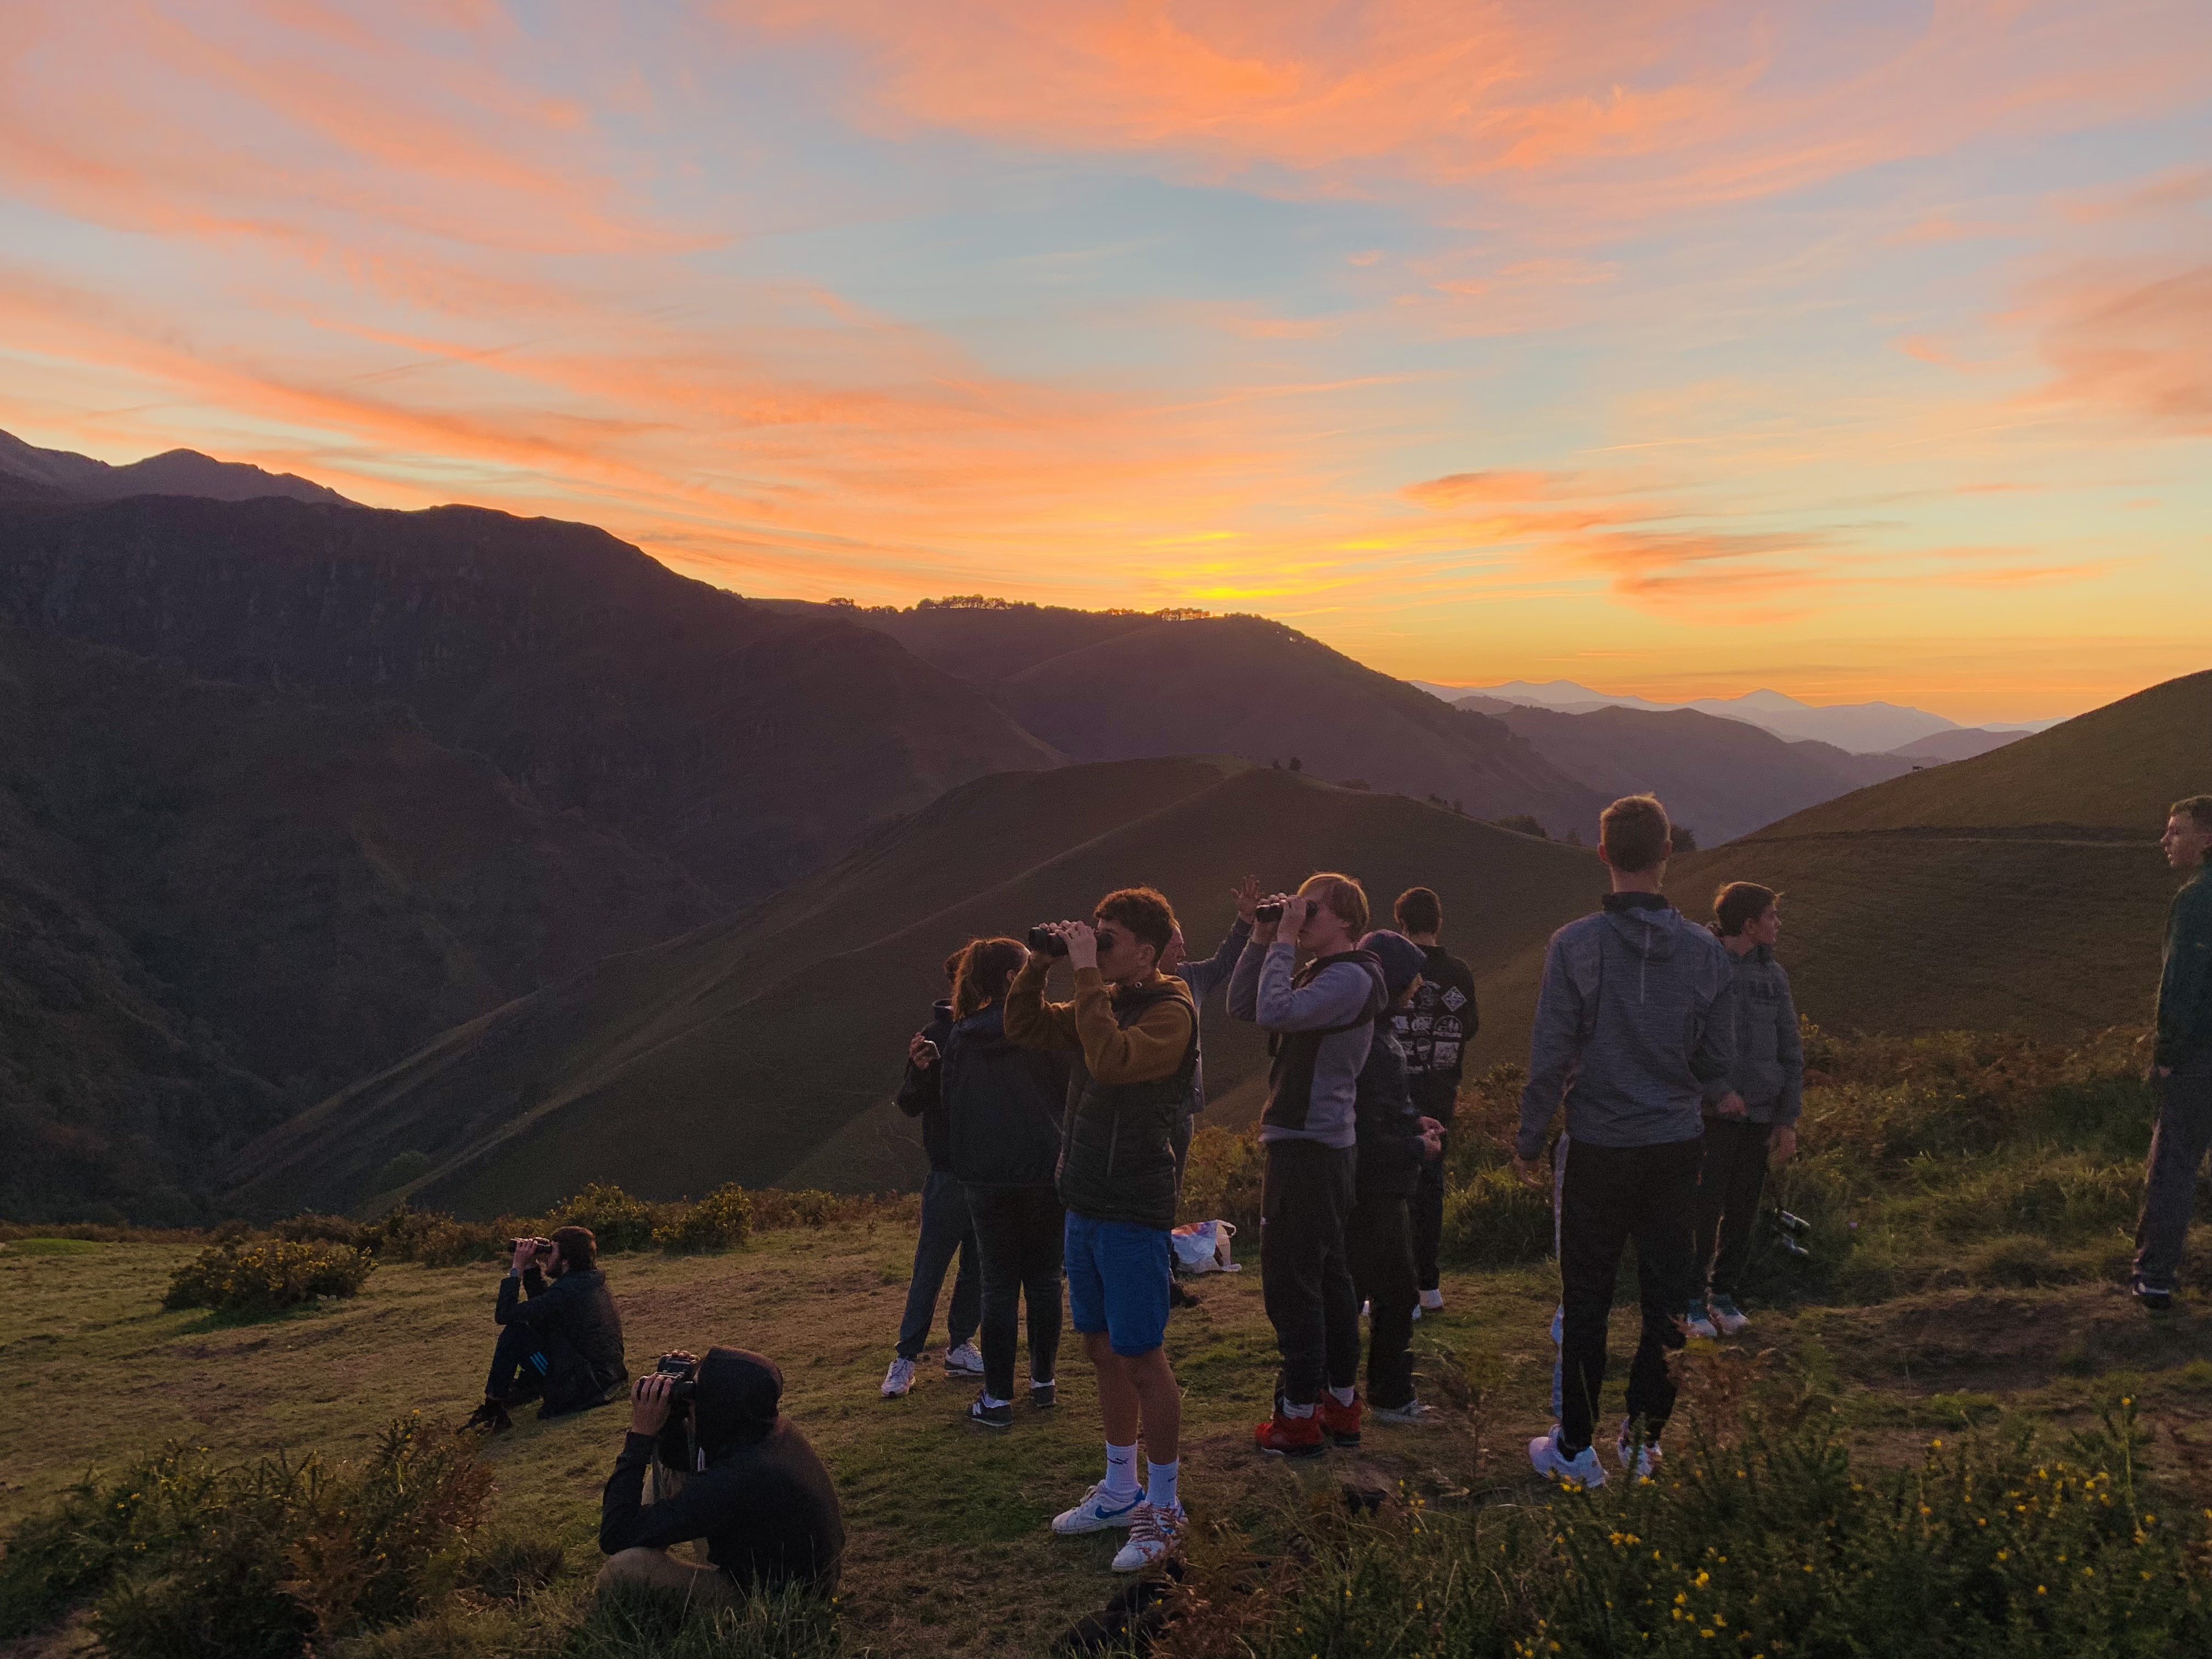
column 721, row 1221
column 308, row 1227
column 1494, row 1221
column 438, row 1240
column 806, row 1208
column 618, row 1221
column 1221, row 1180
column 270, row 1559
column 263, row 1276
column 406, row 1167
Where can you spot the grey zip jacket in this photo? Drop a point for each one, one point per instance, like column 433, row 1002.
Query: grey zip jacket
column 1629, row 1027
column 1770, row 1056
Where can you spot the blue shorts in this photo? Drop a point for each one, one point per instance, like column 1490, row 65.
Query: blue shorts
column 1117, row 1282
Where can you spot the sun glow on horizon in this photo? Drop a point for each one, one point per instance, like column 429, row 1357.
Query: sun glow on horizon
column 1857, row 351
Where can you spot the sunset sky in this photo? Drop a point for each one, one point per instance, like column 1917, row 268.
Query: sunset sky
column 1859, row 350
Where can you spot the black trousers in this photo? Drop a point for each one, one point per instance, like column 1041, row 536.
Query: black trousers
column 1435, row 1094
column 1305, row 1277
column 1729, row 1183
column 1608, row 1196
column 519, row 1365
column 2177, row 1146
column 1020, row 1233
column 1378, row 1239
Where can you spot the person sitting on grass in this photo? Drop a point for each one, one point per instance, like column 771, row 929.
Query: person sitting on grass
column 562, row 1345
column 1631, row 1026
column 1137, row 1035
column 732, row 1470
column 1751, row 1118
column 947, row 1228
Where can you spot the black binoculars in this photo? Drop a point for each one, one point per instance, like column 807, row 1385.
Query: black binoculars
column 1269, row 913
column 1046, row 943
column 1789, row 1231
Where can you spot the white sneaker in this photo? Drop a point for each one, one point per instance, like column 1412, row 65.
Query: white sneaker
column 1416, row 1311
column 1585, row 1470
column 1367, row 1310
column 1646, row 1463
column 1723, row 1312
column 1152, row 1534
column 1698, row 1321
column 964, row 1361
column 1098, row 1511
column 1413, row 1412
column 898, row 1379
column 1432, row 1301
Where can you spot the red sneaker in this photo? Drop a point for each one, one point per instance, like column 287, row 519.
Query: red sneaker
column 1339, row 1423
column 1291, row 1436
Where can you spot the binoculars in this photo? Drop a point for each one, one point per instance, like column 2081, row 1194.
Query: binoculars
column 1789, row 1231
column 1045, row 943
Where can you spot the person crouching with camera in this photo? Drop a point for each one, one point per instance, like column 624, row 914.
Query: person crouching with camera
column 1137, row 1034
column 559, row 1339
column 728, row 1467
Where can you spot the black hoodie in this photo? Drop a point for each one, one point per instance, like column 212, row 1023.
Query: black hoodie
column 759, row 1496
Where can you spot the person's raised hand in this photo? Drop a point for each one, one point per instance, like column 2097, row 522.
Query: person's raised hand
column 1082, row 945
column 1247, row 894
column 1731, row 1105
column 525, row 1252
column 648, row 1402
column 1432, row 1137
column 1781, row 1144
column 921, row 1052
column 1528, row 1174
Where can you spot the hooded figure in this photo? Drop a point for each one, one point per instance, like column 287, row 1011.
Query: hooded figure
column 754, row 1488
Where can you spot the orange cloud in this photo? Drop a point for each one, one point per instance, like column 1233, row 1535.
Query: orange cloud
column 2135, row 346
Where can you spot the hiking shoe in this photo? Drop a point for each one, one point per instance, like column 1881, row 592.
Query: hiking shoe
column 2151, row 1299
column 1412, row 1413
column 1153, row 1533
column 980, row 1411
column 1550, row 1460
column 489, row 1418
column 1178, row 1296
column 1642, row 1462
column 1043, row 1396
column 964, row 1361
column 1699, row 1322
column 1098, row 1511
column 1282, row 1436
column 898, row 1379
column 1723, row 1312
column 1339, row 1423
column 1432, row 1301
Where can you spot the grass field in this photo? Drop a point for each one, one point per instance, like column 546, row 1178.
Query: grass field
column 1971, row 1199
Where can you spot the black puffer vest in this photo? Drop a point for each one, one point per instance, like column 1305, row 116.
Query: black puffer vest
column 1117, row 1148
column 1291, row 1054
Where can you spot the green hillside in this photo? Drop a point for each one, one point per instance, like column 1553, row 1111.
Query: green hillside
column 765, row 1048
column 2021, row 890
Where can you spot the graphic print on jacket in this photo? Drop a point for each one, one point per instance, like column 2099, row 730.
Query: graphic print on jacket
column 1435, row 1028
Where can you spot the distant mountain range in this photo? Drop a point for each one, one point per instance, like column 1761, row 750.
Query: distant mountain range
column 29, row 473
column 1861, row 728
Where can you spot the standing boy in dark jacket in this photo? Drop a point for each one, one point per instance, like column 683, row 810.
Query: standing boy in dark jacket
column 560, row 1339
column 1395, row 1142
column 1628, row 1034
column 1137, row 1035
column 1434, row 1029
column 1320, row 1021
column 2181, row 1061
column 947, row 1228
column 1751, row 1117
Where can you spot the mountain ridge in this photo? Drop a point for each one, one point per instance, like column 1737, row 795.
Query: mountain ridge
column 64, row 475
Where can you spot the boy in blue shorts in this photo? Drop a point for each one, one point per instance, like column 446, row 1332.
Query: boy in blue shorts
column 1136, row 1032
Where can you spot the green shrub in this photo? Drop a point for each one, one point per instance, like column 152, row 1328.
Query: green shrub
column 309, row 1227
column 263, row 1276
column 406, row 1167
column 1495, row 1222
column 721, row 1220
column 271, row 1559
column 774, row 1207
column 1221, row 1180
column 618, row 1221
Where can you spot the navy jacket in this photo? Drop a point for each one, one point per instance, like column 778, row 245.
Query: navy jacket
column 1003, row 1103
column 577, row 1329
column 921, row 1092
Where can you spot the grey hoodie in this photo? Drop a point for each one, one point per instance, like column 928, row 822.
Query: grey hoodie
column 1770, row 1056
column 1342, row 1001
column 1626, row 1029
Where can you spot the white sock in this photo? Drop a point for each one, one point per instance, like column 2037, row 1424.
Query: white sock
column 1344, row 1396
column 1160, row 1482
column 1120, row 1470
column 1289, row 1410
column 989, row 1402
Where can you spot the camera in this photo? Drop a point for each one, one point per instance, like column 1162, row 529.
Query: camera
column 684, row 1368
column 1046, row 943
column 1269, row 913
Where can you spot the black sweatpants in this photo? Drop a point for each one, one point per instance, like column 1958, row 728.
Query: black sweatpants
column 1435, row 1094
column 1729, row 1183
column 1608, row 1195
column 1305, row 1277
column 2178, row 1145
column 1019, row 1235
column 1378, row 1239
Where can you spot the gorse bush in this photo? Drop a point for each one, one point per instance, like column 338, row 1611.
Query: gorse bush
column 721, row 1220
column 261, row 1277
column 617, row 1220
column 1222, row 1177
column 182, row 1559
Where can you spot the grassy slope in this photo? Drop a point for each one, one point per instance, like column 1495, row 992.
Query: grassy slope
column 741, row 1051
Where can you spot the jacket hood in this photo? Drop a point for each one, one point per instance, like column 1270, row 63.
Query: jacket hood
column 736, row 1404
column 1646, row 931
column 1402, row 960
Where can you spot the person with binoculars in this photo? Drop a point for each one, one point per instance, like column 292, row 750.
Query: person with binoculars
column 1320, row 1021
column 728, row 1467
column 559, row 1339
column 1131, row 1034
